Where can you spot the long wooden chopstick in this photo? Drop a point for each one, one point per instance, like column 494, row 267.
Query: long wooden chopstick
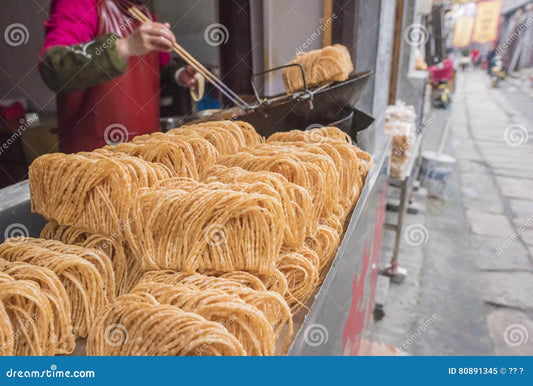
column 139, row 15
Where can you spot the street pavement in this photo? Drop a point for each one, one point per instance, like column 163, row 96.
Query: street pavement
column 470, row 283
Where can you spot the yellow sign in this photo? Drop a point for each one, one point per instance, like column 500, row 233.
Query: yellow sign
column 487, row 21
column 463, row 31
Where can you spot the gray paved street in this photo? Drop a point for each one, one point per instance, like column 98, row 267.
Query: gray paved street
column 469, row 286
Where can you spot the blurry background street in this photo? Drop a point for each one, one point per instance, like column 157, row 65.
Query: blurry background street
column 469, row 285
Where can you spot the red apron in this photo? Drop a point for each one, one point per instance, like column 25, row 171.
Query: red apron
column 119, row 109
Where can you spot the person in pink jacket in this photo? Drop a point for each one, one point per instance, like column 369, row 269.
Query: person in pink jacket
column 105, row 68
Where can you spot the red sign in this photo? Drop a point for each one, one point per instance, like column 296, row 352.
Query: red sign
column 361, row 310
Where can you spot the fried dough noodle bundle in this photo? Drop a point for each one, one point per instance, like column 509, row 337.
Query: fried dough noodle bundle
column 305, row 174
column 31, row 316
column 137, row 324
column 315, row 135
column 81, row 279
column 226, row 136
column 99, row 259
column 324, row 244
column 273, row 306
column 54, row 291
column 295, row 200
column 300, row 267
column 127, row 269
column 6, row 332
column 188, row 226
column 322, row 66
column 179, row 157
column 247, row 323
column 91, row 191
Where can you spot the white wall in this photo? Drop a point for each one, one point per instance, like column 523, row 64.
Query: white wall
column 188, row 20
column 289, row 25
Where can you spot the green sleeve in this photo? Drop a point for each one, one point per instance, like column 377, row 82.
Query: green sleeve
column 76, row 67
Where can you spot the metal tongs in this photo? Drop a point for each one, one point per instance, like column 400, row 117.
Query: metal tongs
column 237, row 100
column 305, row 94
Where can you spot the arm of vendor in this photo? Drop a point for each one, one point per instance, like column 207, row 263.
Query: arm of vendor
column 76, row 56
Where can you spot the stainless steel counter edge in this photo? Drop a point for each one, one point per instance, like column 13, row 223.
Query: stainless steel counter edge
column 14, row 195
column 382, row 156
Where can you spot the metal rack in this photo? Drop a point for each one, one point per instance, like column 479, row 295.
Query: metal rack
column 405, row 184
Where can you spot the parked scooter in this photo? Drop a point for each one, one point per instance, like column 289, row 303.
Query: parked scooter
column 441, row 76
column 497, row 73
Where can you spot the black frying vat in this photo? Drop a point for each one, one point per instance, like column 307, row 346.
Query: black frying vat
column 330, row 104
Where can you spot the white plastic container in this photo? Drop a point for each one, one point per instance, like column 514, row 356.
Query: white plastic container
column 435, row 170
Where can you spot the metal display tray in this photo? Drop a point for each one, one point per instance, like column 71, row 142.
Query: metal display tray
column 340, row 314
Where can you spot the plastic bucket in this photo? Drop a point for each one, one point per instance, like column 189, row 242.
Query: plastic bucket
column 435, row 170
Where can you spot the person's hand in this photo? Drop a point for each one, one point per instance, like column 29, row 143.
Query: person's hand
column 150, row 36
column 186, row 78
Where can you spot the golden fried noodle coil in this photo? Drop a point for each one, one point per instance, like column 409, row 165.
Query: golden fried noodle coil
column 322, row 66
column 82, row 280
column 305, row 174
column 351, row 162
column 188, row 226
column 247, row 323
column 179, row 156
column 324, row 244
column 100, row 260
column 6, row 332
column 91, row 191
column 31, row 316
column 296, row 201
column 226, row 136
column 273, row 306
column 137, row 324
column 54, row 291
column 300, row 267
column 127, row 269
